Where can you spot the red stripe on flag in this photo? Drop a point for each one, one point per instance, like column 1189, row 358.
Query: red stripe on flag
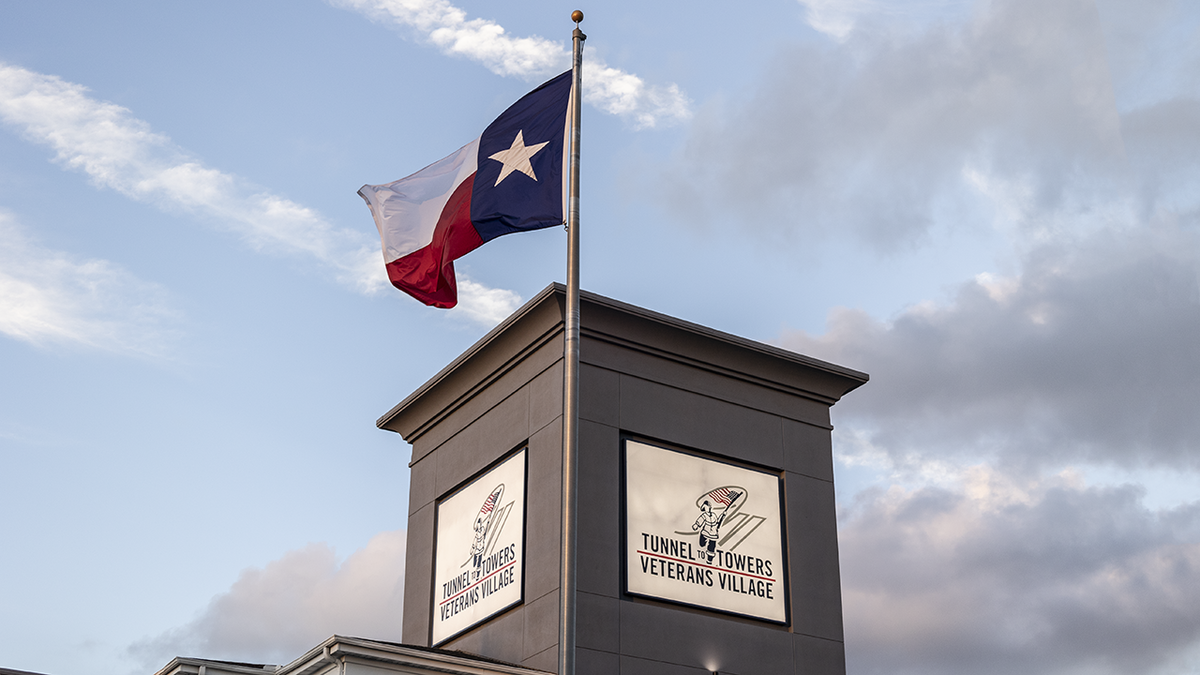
column 721, row 495
column 427, row 274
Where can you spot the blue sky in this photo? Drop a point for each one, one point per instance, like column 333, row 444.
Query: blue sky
column 990, row 206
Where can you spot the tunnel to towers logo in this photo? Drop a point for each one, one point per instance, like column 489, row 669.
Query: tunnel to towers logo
column 703, row 532
column 716, row 506
column 479, row 551
column 491, row 512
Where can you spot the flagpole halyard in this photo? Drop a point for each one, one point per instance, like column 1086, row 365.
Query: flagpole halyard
column 567, row 579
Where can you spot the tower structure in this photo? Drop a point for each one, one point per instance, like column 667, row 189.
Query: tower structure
column 707, row 536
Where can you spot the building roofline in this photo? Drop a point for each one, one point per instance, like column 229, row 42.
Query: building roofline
column 338, row 648
column 186, row 665
column 853, row 377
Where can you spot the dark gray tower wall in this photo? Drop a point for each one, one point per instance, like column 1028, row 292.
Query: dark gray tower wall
column 652, row 378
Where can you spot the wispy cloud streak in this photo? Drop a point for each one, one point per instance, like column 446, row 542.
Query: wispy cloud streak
column 486, row 42
column 118, row 151
column 51, row 297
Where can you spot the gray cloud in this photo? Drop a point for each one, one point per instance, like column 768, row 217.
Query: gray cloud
column 1090, row 354
column 874, row 135
column 994, row 576
column 1163, row 141
column 1152, row 48
column 274, row 614
column 1075, row 126
column 1086, row 354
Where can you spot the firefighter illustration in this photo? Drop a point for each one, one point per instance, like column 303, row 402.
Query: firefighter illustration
column 709, row 523
column 483, row 525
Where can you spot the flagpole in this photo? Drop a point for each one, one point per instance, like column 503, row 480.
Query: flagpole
column 567, row 582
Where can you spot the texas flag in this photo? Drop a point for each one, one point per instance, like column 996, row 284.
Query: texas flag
column 510, row 179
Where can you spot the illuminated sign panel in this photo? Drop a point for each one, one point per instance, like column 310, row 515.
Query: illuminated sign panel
column 704, row 532
column 479, row 550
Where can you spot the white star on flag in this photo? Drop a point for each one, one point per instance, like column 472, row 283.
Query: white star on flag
column 516, row 158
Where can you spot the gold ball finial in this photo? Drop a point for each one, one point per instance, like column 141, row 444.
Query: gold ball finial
column 577, row 16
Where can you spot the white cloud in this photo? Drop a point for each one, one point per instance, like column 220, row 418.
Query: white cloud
column 483, row 305
column 275, row 613
column 52, row 297
column 835, row 18
column 486, row 42
column 839, row 18
column 619, row 93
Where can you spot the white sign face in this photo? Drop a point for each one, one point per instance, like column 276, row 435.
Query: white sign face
column 479, row 549
column 703, row 533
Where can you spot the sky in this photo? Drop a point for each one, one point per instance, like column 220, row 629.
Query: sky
column 990, row 206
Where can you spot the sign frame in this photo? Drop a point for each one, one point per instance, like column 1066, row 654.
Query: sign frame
column 523, row 450
column 719, row 459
